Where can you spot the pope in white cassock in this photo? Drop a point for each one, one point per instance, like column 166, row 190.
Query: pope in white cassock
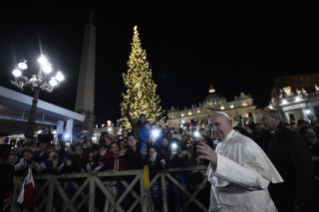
column 239, row 170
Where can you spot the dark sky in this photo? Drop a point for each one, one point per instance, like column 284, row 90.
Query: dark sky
column 234, row 47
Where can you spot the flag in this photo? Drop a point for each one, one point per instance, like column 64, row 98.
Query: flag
column 27, row 193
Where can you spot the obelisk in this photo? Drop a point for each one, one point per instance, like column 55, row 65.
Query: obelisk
column 86, row 84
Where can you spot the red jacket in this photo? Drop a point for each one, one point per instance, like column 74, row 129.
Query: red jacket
column 119, row 163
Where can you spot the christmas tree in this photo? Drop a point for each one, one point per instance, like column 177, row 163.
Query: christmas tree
column 141, row 89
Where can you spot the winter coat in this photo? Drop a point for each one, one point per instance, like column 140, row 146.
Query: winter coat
column 291, row 157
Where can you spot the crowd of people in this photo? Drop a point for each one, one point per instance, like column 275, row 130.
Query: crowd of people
column 164, row 149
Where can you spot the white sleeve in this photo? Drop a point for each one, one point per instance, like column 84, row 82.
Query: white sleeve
column 101, row 164
column 88, row 167
column 19, row 165
column 213, row 202
column 40, row 166
column 244, row 176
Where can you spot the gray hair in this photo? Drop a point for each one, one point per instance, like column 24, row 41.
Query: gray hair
column 273, row 113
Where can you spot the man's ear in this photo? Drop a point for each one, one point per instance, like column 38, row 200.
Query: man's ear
column 230, row 124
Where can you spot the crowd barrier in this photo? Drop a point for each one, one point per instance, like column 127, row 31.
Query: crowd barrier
column 46, row 185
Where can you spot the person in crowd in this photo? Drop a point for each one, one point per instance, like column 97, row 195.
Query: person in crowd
column 26, row 162
column 290, row 155
column 154, row 165
column 136, row 125
column 301, row 123
column 178, row 160
column 135, row 158
column 309, row 134
column 145, row 131
column 170, row 136
column 78, row 162
column 12, row 159
column 116, row 160
column 56, row 165
column 92, row 166
column 239, row 171
column 122, row 144
column 164, row 150
column 102, row 138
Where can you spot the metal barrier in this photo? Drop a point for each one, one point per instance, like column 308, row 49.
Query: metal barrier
column 50, row 183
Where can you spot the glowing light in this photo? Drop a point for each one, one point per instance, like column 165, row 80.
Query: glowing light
column 40, row 131
column 198, row 111
column 232, row 106
column 284, row 101
column 59, row 76
column 190, row 113
column 174, row 145
column 53, row 82
column 196, row 134
column 66, row 136
column 297, row 98
column 42, row 60
column 155, row 133
column 222, row 107
column 244, row 104
column 183, row 121
column 182, row 114
column 308, row 111
column 22, row 66
column 17, row 73
column 135, row 28
column 47, row 68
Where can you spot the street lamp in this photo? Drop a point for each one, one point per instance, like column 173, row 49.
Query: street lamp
column 37, row 82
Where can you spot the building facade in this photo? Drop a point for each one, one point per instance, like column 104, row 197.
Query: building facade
column 199, row 114
column 296, row 98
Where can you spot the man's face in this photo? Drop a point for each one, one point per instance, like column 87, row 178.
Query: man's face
column 115, row 149
column 90, row 157
column 165, row 142
column 12, row 159
column 122, row 144
column 221, row 126
column 269, row 122
column 53, row 156
column 27, row 156
column 152, row 151
column 147, row 126
column 78, row 150
column 131, row 141
column 108, row 141
column 142, row 119
column 103, row 148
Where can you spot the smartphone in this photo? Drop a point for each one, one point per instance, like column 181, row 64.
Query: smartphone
column 174, row 150
column 154, row 155
column 143, row 148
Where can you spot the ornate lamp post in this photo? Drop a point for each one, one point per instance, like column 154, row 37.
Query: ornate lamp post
column 37, row 83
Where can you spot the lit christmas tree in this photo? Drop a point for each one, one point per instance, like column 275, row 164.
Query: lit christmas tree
column 141, row 89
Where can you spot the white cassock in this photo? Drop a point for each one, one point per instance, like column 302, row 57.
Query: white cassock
column 242, row 176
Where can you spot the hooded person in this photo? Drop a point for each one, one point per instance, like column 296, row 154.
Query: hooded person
column 239, row 170
column 145, row 131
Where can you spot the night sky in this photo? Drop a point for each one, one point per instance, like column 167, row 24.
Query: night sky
column 235, row 47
